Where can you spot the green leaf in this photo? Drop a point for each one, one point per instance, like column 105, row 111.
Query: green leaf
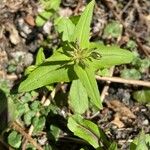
column 40, row 57
column 131, row 74
column 141, row 142
column 84, row 129
column 50, row 72
column 55, row 131
column 87, row 78
column 50, row 7
column 113, row 29
column 30, row 69
column 145, row 64
column 59, row 55
column 78, row 98
column 82, row 30
column 8, row 111
column 50, row 4
column 110, row 56
column 65, row 26
column 28, row 117
column 43, row 17
column 35, row 105
column 142, row 96
column 14, row 139
column 38, row 123
column 113, row 146
column 11, row 110
column 103, row 72
column 131, row 45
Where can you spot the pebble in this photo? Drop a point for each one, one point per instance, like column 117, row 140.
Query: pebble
column 14, row 35
column 17, row 55
column 28, row 59
column 47, row 27
column 24, row 28
column 145, row 122
column 42, row 140
column 65, row 12
column 143, row 109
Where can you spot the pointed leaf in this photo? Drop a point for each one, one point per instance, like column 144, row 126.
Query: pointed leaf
column 46, row 74
column 110, row 56
column 78, row 97
column 40, row 56
column 82, row 30
column 65, row 26
column 59, row 55
column 141, row 142
column 87, row 78
column 43, row 17
column 84, row 129
column 113, row 146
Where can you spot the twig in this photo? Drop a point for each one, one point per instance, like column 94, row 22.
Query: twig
column 106, row 87
column 125, row 8
column 17, row 127
column 118, row 80
column 12, row 77
column 125, row 81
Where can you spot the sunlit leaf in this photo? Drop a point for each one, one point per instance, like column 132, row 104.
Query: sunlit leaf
column 142, row 96
column 84, row 129
column 59, row 55
column 113, row 30
column 131, row 74
column 110, row 56
column 14, row 139
column 46, row 74
column 40, row 57
column 142, row 142
column 82, row 30
column 87, row 78
column 78, row 98
column 66, row 27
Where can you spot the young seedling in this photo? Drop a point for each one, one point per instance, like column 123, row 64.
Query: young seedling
column 77, row 59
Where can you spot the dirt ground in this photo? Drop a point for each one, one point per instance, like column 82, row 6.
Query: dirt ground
column 20, row 38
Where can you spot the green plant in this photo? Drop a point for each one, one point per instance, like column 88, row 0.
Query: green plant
column 78, row 58
column 142, row 96
column 14, row 139
column 49, row 9
column 141, row 142
column 139, row 66
column 88, row 131
column 113, row 30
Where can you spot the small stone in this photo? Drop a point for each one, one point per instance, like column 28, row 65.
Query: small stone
column 30, row 20
column 28, row 59
column 14, row 36
column 65, row 12
column 145, row 122
column 24, row 28
column 42, row 140
column 47, row 27
column 143, row 110
column 17, row 55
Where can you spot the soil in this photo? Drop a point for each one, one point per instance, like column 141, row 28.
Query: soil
column 122, row 117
